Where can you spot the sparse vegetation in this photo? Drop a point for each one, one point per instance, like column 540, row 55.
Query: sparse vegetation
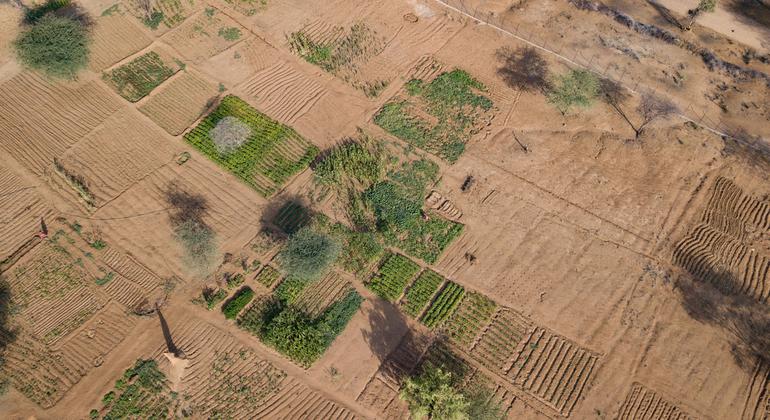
column 703, row 6
column 140, row 393
column 55, row 45
column 578, row 88
column 137, row 78
column 230, row 33
column 193, row 233
column 451, row 99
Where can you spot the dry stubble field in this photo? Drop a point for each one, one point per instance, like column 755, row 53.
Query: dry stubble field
column 601, row 262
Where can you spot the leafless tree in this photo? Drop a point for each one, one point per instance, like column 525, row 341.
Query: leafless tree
column 523, row 68
column 651, row 108
column 615, row 96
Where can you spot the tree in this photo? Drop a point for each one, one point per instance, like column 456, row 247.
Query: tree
column 194, row 234
column 481, row 406
column 523, row 69
column 651, row 108
column 703, row 6
column 308, row 253
column 431, row 395
column 56, row 45
column 576, row 88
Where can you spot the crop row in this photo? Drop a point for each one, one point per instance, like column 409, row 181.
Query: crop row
column 444, row 305
column 474, row 312
column 268, row 276
column 393, row 276
column 238, row 302
column 421, row 291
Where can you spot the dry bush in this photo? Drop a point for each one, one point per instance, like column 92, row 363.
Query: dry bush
column 197, row 237
column 653, row 107
column 523, row 68
column 229, row 134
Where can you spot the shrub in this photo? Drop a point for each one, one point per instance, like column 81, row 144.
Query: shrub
column 576, row 88
column 55, row 45
column 238, row 302
column 229, row 134
column 308, row 253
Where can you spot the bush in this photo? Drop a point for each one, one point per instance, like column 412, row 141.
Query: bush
column 55, row 45
column 229, row 134
column 238, row 302
column 576, row 88
column 308, row 253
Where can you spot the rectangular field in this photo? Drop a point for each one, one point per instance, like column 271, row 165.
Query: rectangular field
column 394, row 274
column 270, row 156
column 137, row 78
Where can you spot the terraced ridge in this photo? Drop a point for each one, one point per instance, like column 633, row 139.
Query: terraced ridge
column 732, row 211
column 643, row 403
column 553, row 369
column 499, row 342
column 712, row 256
column 283, row 92
column 22, row 209
column 728, row 247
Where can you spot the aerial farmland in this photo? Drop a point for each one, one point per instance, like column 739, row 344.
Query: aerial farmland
column 425, row 209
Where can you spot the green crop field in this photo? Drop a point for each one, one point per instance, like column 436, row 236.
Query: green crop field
column 393, row 277
column 271, row 155
column 444, row 305
column 137, row 78
column 451, row 98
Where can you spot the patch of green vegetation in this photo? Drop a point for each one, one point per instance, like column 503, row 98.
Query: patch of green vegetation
column 451, row 99
column 57, row 46
column 360, row 162
column 237, row 303
column 393, row 276
column 137, row 78
column 293, row 332
column 210, row 297
column 272, row 154
column 230, row 33
column 101, row 281
column 115, row 8
column 578, row 88
column 98, row 244
column 210, row 11
column 140, row 393
column 154, row 20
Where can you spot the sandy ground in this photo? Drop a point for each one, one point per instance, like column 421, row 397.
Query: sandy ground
column 574, row 224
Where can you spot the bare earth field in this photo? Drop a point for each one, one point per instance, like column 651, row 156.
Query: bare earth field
column 598, row 262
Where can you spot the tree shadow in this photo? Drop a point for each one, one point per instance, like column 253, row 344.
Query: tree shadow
column 170, row 345
column 752, row 12
column 7, row 332
column 665, row 13
column 186, row 214
column 718, row 302
column 523, row 68
column 386, row 328
column 287, row 215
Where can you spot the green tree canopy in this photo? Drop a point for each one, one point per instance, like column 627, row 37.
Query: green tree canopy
column 431, row 395
column 308, row 253
column 56, row 45
column 576, row 88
